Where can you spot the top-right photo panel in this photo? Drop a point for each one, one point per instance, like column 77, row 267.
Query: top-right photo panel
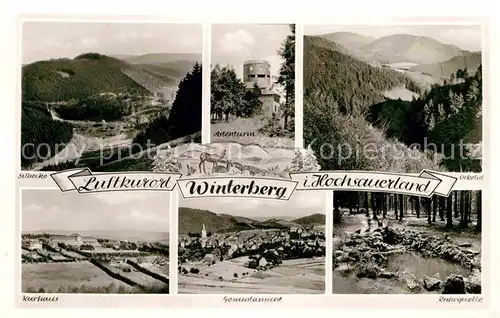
column 398, row 98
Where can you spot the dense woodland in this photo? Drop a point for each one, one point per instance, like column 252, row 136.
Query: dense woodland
column 445, row 115
column 458, row 210
column 353, row 84
column 85, row 75
column 287, row 78
column 96, row 108
column 185, row 116
column 38, row 128
column 351, row 93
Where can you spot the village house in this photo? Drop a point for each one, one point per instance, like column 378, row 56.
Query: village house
column 262, row 262
column 74, row 240
column 32, row 244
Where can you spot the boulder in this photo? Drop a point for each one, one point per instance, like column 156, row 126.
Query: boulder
column 411, row 281
column 431, row 283
column 473, row 283
column 385, row 274
column 338, row 253
column 454, row 284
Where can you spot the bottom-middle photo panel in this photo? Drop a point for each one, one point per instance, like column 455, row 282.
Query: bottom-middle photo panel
column 252, row 246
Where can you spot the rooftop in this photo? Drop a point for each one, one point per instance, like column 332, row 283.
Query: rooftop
column 256, row 62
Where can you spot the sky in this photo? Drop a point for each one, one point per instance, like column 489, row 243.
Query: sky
column 71, row 211
column 300, row 204
column 467, row 37
column 235, row 43
column 46, row 40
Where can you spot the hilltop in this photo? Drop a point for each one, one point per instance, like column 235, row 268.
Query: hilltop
column 410, row 48
column 349, row 40
column 367, row 106
column 316, row 218
column 192, row 220
column 467, row 61
column 355, row 85
column 89, row 74
column 160, row 58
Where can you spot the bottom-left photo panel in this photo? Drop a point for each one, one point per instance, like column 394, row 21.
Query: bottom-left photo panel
column 103, row 243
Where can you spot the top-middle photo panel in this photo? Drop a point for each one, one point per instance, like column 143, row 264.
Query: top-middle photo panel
column 253, row 84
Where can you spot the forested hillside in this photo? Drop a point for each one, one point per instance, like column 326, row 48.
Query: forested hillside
column 38, row 128
column 467, row 62
column 185, row 116
column 345, row 111
column 83, row 76
column 353, row 84
column 443, row 116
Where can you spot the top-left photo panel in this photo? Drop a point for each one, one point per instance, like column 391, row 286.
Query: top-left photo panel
column 106, row 95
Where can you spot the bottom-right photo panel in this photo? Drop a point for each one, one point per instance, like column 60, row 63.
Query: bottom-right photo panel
column 387, row 243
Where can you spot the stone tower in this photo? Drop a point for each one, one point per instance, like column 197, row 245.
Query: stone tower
column 257, row 71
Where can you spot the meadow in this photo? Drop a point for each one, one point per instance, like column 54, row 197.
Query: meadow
column 75, row 277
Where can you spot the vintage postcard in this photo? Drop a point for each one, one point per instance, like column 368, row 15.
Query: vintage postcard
column 210, row 164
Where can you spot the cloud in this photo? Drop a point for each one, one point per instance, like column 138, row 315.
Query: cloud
column 122, row 198
column 236, row 42
column 90, row 42
column 301, row 204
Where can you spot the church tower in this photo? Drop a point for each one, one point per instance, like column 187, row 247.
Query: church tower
column 203, row 232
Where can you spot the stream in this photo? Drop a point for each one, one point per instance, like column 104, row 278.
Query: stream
column 409, row 262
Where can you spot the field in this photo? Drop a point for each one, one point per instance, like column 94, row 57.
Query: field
column 301, row 276
column 67, row 277
column 136, row 276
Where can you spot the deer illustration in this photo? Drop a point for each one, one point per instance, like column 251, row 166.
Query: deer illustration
column 213, row 158
column 223, row 169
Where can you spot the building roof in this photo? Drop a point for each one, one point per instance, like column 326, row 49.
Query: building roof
column 256, row 62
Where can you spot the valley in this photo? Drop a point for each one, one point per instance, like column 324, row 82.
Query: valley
column 97, row 108
column 400, row 92
column 222, row 253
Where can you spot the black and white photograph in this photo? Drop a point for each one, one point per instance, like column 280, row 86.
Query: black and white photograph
column 108, row 95
column 398, row 98
column 253, row 84
column 251, row 246
column 105, row 243
column 387, row 243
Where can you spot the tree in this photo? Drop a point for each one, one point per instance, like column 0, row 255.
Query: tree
column 449, row 215
column 230, row 96
column 166, row 162
column 478, row 210
column 185, row 116
column 310, row 163
column 417, row 206
column 297, row 161
column 337, row 218
column 287, row 73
